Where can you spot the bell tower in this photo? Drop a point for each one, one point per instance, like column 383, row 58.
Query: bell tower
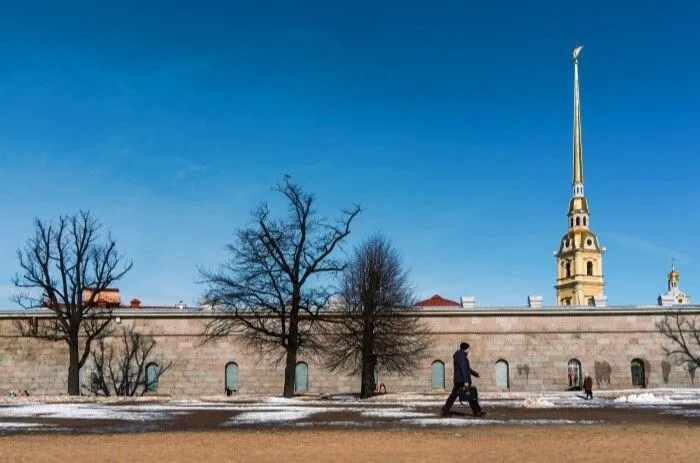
column 580, row 256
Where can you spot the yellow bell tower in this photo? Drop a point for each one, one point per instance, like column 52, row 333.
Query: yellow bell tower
column 580, row 257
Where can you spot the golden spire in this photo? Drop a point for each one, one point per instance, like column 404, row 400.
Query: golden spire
column 578, row 144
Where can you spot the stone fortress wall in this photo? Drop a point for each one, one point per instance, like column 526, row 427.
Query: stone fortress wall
column 537, row 345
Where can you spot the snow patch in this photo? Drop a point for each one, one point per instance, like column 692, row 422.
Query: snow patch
column 537, row 402
column 645, row 398
column 79, row 411
column 424, row 422
column 343, row 398
column 283, row 400
column 394, row 413
column 271, row 416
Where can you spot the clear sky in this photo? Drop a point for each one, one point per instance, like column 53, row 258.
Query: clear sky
column 449, row 122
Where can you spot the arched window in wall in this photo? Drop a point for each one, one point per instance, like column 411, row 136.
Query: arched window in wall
column 301, row 380
column 578, row 221
column 152, row 374
column 568, row 269
column 437, row 375
column 574, row 373
column 638, row 378
column 502, row 375
column 231, row 380
column 584, row 220
column 589, row 268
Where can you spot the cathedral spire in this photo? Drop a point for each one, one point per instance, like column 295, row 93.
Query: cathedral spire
column 580, row 256
column 578, row 144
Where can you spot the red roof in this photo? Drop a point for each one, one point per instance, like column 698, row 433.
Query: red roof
column 438, row 301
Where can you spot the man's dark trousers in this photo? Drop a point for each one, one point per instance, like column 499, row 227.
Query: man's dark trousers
column 473, row 401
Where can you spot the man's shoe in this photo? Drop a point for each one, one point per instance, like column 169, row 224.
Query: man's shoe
column 444, row 412
column 479, row 414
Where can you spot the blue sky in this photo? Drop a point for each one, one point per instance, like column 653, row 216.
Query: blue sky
column 449, row 123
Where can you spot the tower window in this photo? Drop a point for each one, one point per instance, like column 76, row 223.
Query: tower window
column 589, row 268
column 589, row 242
column 584, row 221
column 578, row 221
column 572, row 222
column 568, row 269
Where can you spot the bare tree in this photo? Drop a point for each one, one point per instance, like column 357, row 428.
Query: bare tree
column 65, row 268
column 684, row 333
column 276, row 280
column 377, row 325
column 124, row 372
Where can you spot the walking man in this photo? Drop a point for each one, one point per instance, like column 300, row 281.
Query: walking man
column 463, row 378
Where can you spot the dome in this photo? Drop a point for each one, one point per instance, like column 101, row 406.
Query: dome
column 673, row 274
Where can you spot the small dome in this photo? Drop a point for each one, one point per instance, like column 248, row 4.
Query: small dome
column 673, row 274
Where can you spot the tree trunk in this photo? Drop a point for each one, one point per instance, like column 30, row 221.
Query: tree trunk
column 367, row 389
column 290, row 369
column 73, row 370
column 368, row 361
column 291, row 361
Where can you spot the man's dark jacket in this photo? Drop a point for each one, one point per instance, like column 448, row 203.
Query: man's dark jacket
column 463, row 373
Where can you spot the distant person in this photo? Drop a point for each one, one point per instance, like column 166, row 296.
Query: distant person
column 463, row 379
column 588, row 386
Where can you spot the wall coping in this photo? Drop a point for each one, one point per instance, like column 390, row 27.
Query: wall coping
column 484, row 311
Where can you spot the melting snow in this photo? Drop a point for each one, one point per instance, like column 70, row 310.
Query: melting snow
column 537, row 402
column 272, row 416
column 78, row 411
column 481, row 422
column 406, row 409
column 393, row 413
column 645, row 398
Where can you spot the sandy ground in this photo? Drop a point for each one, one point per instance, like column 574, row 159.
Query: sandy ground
column 609, row 443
